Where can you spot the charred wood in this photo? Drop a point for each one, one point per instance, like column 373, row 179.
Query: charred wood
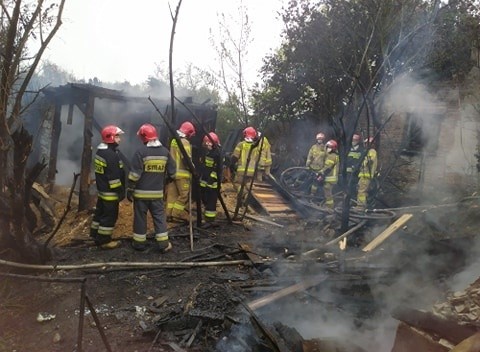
column 428, row 322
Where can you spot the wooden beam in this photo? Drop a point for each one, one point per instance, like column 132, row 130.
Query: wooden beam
column 86, row 164
column 471, row 344
column 302, row 285
column 255, row 258
column 387, row 233
column 448, row 329
column 54, row 138
column 70, row 114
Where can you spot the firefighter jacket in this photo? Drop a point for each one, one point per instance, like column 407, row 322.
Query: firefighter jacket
column 241, row 153
column 180, row 164
column 369, row 164
column 266, row 154
column 210, row 169
column 330, row 168
column 353, row 158
column 150, row 165
column 316, row 157
column 109, row 173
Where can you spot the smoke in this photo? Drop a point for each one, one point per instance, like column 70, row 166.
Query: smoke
column 435, row 134
column 128, row 114
column 412, row 98
column 470, row 273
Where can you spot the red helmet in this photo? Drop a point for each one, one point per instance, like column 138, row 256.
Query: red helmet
column 320, row 135
column 109, row 132
column 356, row 138
column 188, row 129
column 332, row 144
column 147, row 132
column 213, row 136
column 249, row 134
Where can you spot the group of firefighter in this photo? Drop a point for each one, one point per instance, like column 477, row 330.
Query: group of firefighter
column 154, row 168
column 361, row 166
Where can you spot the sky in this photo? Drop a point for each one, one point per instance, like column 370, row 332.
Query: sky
column 124, row 40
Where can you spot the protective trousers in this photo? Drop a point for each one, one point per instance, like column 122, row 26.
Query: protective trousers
column 247, row 182
column 177, row 198
column 363, row 184
column 141, row 208
column 209, row 200
column 328, row 192
column 104, row 219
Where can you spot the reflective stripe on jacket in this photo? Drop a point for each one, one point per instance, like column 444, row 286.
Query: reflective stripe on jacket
column 109, row 172
column 330, row 169
column 369, row 164
column 148, row 169
column 182, row 168
column 316, row 156
column 266, row 155
column 241, row 153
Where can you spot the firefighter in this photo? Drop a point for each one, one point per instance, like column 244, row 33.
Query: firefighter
column 353, row 164
column 328, row 175
column 316, row 159
column 110, row 180
column 265, row 162
column 178, row 191
column 244, row 173
column 210, row 177
column 151, row 166
column 367, row 172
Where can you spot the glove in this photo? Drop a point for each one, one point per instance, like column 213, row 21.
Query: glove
column 130, row 194
column 320, row 177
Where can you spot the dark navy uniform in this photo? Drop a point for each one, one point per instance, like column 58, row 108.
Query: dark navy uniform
column 210, row 172
column 110, row 179
column 150, row 165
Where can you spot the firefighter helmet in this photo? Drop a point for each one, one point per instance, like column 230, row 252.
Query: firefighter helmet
column 213, row 136
column 147, row 132
column 356, row 138
column 332, row 145
column 320, row 136
column 109, row 132
column 187, row 129
column 249, row 134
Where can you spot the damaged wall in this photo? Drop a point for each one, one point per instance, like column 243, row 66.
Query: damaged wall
column 428, row 148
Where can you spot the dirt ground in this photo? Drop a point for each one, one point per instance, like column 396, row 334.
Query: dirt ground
column 129, row 303
column 183, row 307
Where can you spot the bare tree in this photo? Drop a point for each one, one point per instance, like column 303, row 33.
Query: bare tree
column 232, row 49
column 24, row 25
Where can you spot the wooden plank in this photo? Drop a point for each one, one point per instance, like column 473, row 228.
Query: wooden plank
column 260, row 219
column 278, row 207
column 448, row 329
column 470, row 344
column 387, row 233
column 275, row 203
column 254, row 258
column 302, row 285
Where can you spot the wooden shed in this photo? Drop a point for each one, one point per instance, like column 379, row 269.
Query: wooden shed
column 80, row 103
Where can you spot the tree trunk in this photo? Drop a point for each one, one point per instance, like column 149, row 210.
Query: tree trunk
column 23, row 241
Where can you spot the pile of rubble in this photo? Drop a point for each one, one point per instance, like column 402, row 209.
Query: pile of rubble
column 462, row 306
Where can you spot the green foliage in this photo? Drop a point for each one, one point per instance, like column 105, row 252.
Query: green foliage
column 226, row 120
column 339, row 54
column 457, row 31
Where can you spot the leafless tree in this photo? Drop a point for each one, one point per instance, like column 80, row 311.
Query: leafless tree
column 232, row 49
column 26, row 29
